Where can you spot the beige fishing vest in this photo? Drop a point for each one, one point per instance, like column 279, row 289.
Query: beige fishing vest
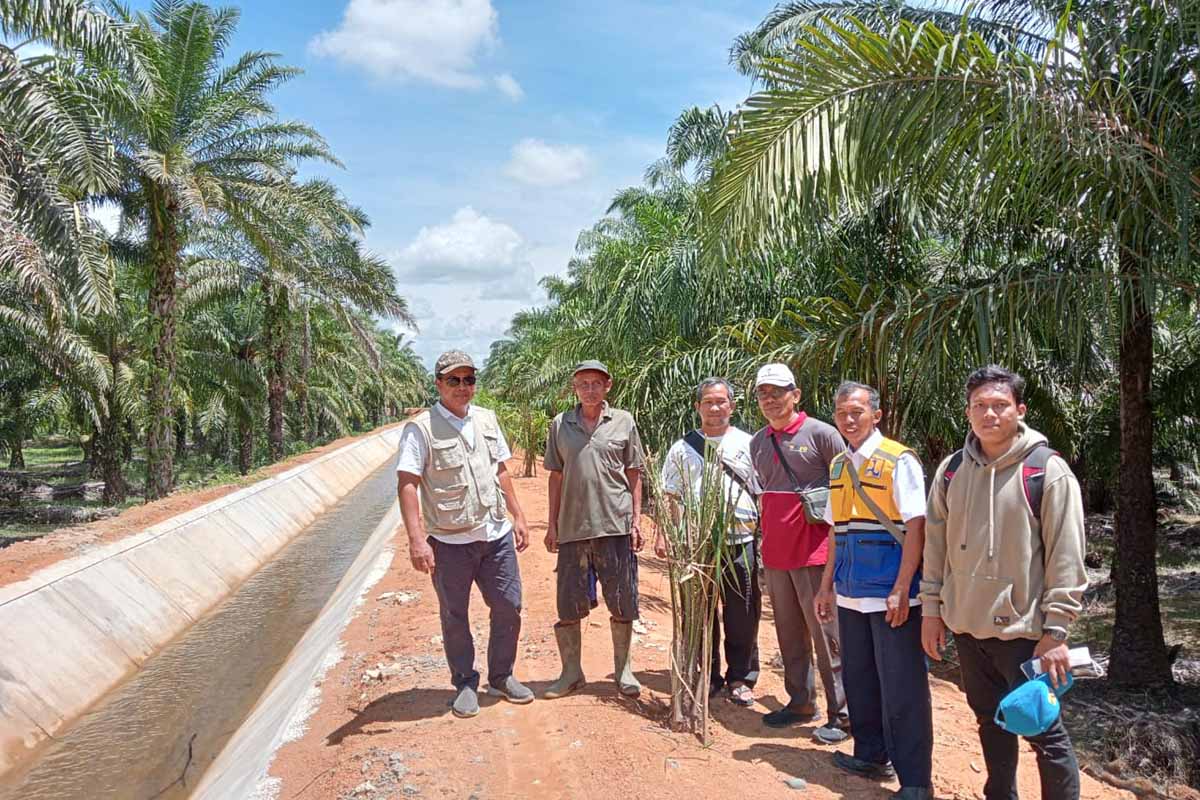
column 460, row 489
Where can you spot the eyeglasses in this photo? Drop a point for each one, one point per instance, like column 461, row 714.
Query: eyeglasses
column 772, row 392
column 453, row 380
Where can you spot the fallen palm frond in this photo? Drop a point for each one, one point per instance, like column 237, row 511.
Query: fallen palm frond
column 696, row 528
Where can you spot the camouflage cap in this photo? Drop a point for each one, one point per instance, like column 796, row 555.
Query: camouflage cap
column 450, row 360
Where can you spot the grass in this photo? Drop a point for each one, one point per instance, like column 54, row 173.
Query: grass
column 50, row 455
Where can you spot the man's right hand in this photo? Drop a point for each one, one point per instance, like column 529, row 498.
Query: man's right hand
column 933, row 637
column 825, row 601
column 421, row 555
column 551, row 540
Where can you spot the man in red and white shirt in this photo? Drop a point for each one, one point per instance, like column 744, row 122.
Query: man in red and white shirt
column 794, row 550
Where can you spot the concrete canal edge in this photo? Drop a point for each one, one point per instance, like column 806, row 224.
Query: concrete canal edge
column 240, row 770
column 74, row 630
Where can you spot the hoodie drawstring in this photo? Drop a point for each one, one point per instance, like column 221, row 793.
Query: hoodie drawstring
column 991, row 511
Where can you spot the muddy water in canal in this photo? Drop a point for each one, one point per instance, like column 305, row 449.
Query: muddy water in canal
column 152, row 737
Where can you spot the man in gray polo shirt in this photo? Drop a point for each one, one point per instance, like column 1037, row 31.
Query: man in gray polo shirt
column 594, row 456
column 454, row 488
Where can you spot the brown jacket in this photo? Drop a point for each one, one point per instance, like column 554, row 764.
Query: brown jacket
column 990, row 569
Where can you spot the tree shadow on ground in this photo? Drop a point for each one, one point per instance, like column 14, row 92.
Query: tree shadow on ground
column 749, row 721
column 408, row 705
column 604, row 690
column 815, row 768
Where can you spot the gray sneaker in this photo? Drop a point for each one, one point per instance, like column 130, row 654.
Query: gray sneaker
column 511, row 690
column 830, row 734
column 466, row 704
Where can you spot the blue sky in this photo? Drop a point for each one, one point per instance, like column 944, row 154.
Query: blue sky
column 481, row 136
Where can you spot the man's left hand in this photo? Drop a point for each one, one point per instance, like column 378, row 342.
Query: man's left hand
column 1056, row 661
column 520, row 535
column 897, row 606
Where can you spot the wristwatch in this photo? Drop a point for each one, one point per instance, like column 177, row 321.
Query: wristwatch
column 1057, row 634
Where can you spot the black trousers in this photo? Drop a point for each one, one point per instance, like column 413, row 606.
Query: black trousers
column 492, row 566
column 990, row 669
column 887, row 693
column 740, row 611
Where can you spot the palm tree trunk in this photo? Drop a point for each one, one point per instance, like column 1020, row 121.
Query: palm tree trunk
column 108, row 459
column 16, row 458
column 165, row 246
column 109, row 441
column 301, row 382
column 180, row 434
column 277, row 352
column 1139, row 654
column 245, row 445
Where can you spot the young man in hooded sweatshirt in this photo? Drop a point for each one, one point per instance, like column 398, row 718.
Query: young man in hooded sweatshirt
column 1007, row 579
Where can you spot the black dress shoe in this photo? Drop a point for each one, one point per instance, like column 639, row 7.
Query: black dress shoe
column 785, row 717
column 864, row 769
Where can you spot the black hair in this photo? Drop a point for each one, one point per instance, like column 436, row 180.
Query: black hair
column 993, row 374
column 847, row 388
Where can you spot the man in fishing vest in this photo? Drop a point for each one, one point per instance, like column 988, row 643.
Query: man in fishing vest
column 1003, row 570
column 454, row 488
column 877, row 513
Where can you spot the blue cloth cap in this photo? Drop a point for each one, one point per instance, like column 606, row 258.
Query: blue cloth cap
column 1031, row 708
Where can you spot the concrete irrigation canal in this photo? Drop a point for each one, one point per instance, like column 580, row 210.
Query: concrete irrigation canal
column 167, row 665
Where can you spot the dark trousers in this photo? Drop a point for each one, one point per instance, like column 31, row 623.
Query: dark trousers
column 741, row 608
column 492, row 566
column 801, row 636
column 990, row 669
column 606, row 558
column 887, row 692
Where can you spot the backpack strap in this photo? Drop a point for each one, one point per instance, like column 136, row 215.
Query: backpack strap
column 1033, row 474
column 952, row 467
column 1033, row 477
column 695, row 440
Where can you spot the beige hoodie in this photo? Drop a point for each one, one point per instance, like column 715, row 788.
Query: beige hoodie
column 990, row 570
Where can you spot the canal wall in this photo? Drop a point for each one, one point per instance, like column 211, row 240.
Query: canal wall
column 74, row 630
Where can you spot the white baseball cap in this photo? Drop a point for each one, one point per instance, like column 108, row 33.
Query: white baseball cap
column 774, row 375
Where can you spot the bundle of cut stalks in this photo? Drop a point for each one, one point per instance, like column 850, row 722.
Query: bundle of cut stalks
column 696, row 527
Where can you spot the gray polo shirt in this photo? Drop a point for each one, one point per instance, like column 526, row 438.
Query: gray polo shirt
column 596, row 499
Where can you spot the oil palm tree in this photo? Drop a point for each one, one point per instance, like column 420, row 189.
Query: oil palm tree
column 1041, row 125
column 203, row 144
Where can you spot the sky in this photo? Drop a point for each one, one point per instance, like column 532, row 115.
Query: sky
column 482, row 136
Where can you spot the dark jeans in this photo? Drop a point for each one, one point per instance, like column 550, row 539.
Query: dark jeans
column 610, row 560
column 990, row 669
column 887, row 692
column 741, row 608
column 492, row 566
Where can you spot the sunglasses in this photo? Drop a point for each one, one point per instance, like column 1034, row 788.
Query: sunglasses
column 453, row 380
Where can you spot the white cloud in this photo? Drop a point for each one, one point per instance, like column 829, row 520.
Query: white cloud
column 470, row 247
column 539, row 163
column 425, row 40
column 464, row 279
column 508, row 85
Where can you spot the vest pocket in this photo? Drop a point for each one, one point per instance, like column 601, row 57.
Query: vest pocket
column 876, row 560
column 446, row 454
column 493, row 445
column 450, row 503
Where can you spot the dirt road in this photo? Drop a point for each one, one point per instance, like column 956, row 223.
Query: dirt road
column 394, row 737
